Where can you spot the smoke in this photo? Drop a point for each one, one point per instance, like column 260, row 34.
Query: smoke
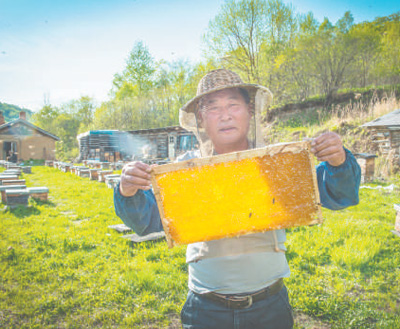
column 133, row 146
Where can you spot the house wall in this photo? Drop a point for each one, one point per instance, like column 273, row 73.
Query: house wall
column 31, row 147
column 387, row 140
column 395, row 141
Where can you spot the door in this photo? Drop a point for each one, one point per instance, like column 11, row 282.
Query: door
column 8, row 149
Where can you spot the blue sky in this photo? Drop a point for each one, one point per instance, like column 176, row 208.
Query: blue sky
column 61, row 50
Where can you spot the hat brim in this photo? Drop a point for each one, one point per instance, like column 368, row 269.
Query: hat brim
column 192, row 105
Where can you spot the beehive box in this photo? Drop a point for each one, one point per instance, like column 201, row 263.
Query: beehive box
column 9, row 187
column 17, row 197
column 27, row 170
column 103, row 174
column 40, row 193
column 84, row 173
column 105, row 165
column 13, row 182
column 94, row 174
column 7, row 177
column 17, row 172
column 237, row 193
column 112, row 180
column 79, row 169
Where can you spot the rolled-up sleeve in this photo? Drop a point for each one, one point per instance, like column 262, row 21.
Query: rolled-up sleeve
column 338, row 186
column 139, row 212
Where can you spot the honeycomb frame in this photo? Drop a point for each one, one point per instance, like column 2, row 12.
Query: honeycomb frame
column 283, row 173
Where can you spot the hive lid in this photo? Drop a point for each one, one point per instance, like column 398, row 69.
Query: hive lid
column 237, row 193
column 365, row 155
column 112, row 176
column 10, row 187
column 17, row 192
column 8, row 177
column 41, row 189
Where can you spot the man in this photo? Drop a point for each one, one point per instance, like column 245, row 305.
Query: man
column 13, row 158
column 235, row 282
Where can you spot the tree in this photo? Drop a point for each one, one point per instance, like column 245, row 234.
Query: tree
column 328, row 54
column 139, row 70
column 250, row 36
column 388, row 67
column 67, row 129
column 236, row 35
column 83, row 110
column 366, row 38
column 45, row 118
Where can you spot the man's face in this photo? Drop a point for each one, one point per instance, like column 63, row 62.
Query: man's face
column 225, row 116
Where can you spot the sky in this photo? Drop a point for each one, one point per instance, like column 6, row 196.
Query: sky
column 56, row 51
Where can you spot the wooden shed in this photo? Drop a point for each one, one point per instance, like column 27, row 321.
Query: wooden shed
column 386, row 133
column 145, row 144
column 22, row 140
column 162, row 143
column 102, row 145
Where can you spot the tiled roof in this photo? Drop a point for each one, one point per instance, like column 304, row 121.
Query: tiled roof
column 26, row 123
column 391, row 119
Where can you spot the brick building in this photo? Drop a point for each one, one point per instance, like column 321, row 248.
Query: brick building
column 25, row 140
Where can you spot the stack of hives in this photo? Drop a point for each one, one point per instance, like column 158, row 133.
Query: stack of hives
column 94, row 170
column 14, row 191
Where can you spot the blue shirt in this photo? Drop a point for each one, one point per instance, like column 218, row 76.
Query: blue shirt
column 338, row 188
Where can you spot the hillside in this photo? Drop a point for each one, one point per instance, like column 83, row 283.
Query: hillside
column 344, row 115
column 11, row 112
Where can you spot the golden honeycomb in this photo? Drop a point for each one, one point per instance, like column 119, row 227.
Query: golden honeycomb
column 206, row 199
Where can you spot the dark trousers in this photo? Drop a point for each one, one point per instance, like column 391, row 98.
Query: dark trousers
column 274, row 312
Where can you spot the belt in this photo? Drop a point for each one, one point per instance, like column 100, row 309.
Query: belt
column 244, row 301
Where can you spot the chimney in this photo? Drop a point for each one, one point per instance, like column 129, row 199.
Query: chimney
column 22, row 115
column 2, row 121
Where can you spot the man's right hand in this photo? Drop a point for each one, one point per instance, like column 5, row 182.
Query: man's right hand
column 135, row 176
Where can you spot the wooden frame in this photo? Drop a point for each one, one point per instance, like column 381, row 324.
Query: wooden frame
column 274, row 158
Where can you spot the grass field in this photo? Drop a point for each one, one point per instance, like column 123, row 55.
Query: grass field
column 61, row 267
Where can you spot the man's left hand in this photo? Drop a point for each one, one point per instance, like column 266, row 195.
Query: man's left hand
column 328, row 147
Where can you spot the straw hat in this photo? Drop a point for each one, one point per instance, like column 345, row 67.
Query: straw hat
column 223, row 79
